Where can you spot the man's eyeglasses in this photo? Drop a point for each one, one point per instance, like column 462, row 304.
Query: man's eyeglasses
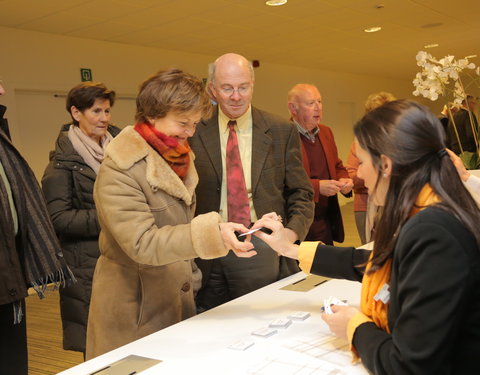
column 242, row 90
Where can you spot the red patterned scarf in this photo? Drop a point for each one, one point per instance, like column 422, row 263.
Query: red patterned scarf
column 174, row 153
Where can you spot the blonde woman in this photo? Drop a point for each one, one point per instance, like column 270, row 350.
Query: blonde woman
column 364, row 212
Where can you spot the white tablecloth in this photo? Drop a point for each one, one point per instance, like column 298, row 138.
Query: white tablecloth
column 200, row 345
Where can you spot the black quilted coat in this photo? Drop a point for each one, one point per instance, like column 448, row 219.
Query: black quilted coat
column 67, row 184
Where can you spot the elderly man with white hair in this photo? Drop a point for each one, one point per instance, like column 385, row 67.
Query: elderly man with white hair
column 327, row 174
column 249, row 164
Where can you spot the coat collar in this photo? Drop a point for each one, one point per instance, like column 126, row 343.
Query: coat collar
column 128, row 148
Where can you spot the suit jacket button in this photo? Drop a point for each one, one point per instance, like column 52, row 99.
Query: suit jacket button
column 12, row 292
column 186, row 287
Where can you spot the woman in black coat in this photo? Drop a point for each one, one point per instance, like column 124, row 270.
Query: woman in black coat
column 420, row 302
column 68, row 188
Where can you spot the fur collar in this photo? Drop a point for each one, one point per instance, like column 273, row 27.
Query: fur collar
column 128, row 148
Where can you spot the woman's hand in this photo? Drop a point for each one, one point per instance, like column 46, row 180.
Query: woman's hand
column 231, row 242
column 458, row 163
column 338, row 321
column 280, row 239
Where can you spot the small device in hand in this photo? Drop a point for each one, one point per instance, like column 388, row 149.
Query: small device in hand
column 241, row 236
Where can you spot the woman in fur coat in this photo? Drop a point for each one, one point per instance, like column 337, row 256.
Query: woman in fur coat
column 145, row 197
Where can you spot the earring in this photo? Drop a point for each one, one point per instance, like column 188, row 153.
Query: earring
column 384, row 175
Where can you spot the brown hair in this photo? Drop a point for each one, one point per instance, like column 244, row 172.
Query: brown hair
column 413, row 138
column 84, row 95
column 171, row 90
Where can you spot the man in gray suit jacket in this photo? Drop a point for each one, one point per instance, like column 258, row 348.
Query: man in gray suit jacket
column 274, row 177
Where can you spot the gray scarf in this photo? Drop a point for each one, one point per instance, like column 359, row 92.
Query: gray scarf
column 40, row 253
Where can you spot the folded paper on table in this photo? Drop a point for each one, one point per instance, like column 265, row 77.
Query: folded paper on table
column 306, row 284
column 132, row 364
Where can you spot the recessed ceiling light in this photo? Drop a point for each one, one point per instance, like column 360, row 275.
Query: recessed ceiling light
column 276, row 3
column 433, row 45
column 373, row 29
column 470, row 56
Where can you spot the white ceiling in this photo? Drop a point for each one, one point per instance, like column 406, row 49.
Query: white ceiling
column 320, row 34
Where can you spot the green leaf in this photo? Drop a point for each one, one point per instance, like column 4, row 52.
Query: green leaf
column 470, row 160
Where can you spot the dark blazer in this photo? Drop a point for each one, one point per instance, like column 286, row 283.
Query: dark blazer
column 279, row 181
column 434, row 308
column 337, row 171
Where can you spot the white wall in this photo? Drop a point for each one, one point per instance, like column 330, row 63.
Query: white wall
column 34, row 66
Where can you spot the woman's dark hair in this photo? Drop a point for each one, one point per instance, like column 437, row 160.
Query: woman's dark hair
column 413, row 138
column 171, row 90
column 84, row 95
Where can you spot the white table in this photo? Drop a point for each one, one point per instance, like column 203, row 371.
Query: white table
column 200, row 345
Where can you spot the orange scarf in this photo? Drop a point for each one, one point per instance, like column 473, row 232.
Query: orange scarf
column 174, row 153
column 372, row 284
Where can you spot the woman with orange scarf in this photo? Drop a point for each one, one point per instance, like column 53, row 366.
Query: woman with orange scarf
column 420, row 301
column 145, row 199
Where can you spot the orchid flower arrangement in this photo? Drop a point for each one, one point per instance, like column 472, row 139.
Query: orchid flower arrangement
column 450, row 78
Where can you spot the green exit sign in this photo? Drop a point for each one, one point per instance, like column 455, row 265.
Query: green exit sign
column 86, row 74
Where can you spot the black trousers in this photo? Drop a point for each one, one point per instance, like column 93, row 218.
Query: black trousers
column 13, row 342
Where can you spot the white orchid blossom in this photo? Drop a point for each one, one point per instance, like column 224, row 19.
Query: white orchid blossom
column 434, row 78
column 444, row 78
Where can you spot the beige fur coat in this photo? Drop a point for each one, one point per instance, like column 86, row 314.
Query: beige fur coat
column 143, row 278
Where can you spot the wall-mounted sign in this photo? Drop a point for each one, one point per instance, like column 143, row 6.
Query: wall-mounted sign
column 86, row 74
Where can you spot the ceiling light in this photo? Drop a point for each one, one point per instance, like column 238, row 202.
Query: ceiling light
column 275, row 3
column 373, row 29
column 433, row 45
column 470, row 56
